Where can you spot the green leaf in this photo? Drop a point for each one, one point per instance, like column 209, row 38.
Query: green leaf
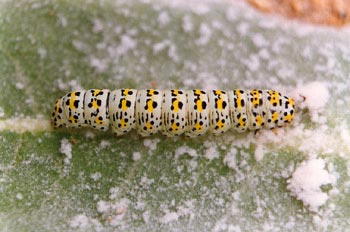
column 86, row 180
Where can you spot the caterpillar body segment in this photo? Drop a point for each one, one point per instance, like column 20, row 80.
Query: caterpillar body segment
column 73, row 109
column 255, row 110
column 148, row 111
column 238, row 110
column 173, row 112
column 197, row 113
column 122, row 110
column 219, row 111
column 274, row 112
column 96, row 108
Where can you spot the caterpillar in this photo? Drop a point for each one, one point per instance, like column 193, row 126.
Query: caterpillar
column 174, row 112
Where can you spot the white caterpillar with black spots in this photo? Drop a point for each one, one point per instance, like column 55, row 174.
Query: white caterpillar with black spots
column 174, row 112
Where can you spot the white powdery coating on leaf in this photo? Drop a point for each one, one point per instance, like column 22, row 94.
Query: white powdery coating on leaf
column 79, row 45
column 205, row 34
column 206, row 81
column 146, row 216
column 345, row 137
column 66, row 149
column 146, row 182
column 231, row 14
column 21, row 125
column 127, row 44
column 63, row 20
column 187, row 24
column 230, row 158
column 113, row 211
column 20, row 85
column 259, row 40
column 79, row 221
column 211, row 151
column 158, row 47
column 252, row 62
column 136, row 156
column 199, row 9
column 321, row 140
column 19, row 196
column 96, row 176
column 243, row 28
column 103, row 206
column 98, row 26
column 169, row 217
column 2, row 112
column 316, row 96
column 163, row 18
column 306, row 183
column 166, row 44
column 104, row 144
column 114, row 193
column 72, row 84
column 259, row 152
column 185, row 150
column 151, row 144
column 183, row 210
column 100, row 65
column 224, row 225
column 42, row 53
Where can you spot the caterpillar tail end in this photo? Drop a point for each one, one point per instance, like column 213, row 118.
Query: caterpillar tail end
column 57, row 116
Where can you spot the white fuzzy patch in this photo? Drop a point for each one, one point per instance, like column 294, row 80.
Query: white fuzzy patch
column 307, row 180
